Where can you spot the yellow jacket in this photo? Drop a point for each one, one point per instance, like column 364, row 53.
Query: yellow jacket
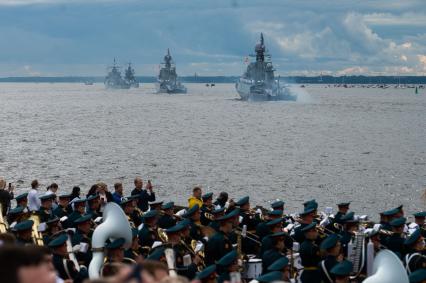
column 193, row 201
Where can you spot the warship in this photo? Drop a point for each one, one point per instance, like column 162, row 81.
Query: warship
column 114, row 80
column 258, row 82
column 129, row 77
column 167, row 81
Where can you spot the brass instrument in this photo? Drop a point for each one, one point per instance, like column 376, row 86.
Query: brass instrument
column 35, row 234
column 192, row 249
column 3, row 222
column 162, row 235
column 239, row 245
column 252, row 237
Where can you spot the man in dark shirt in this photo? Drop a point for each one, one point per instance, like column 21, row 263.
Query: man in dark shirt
column 6, row 195
column 144, row 195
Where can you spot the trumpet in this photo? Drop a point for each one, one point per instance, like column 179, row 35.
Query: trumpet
column 252, row 237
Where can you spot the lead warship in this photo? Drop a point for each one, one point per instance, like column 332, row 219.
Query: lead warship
column 129, row 77
column 167, row 81
column 258, row 82
column 114, row 80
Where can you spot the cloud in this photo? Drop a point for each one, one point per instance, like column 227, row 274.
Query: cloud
column 306, row 37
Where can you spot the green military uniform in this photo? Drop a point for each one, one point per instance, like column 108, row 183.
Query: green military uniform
column 310, row 257
column 166, row 221
column 223, row 265
column 395, row 242
column 219, row 244
column 64, row 267
column 21, row 227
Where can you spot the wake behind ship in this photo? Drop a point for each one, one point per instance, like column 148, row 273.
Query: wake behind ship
column 258, row 82
column 167, row 81
column 114, row 80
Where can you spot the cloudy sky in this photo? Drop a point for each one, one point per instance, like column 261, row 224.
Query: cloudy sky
column 212, row 37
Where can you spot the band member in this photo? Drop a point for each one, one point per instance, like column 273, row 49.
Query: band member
column 187, row 269
column 419, row 222
column 82, row 236
column 274, row 226
column 418, row 276
column 262, row 228
column 23, row 232
column 156, row 205
column 128, row 208
column 309, row 254
column 332, row 249
column 250, row 219
column 61, row 210
column 217, row 213
column 53, row 226
column 414, row 247
column 65, row 267
column 220, row 244
column 79, row 207
column 273, row 276
column 194, row 215
column 16, row 214
column 342, row 209
column 222, row 199
column 395, row 242
column 94, row 206
column 115, row 251
column 148, row 233
column 227, row 264
column 350, row 226
column 278, row 205
column 306, row 218
column 206, row 209
column 207, row 275
column 22, row 200
column 281, row 265
column 276, row 252
column 342, row 271
column 45, row 211
column 135, row 249
column 386, row 217
column 168, row 219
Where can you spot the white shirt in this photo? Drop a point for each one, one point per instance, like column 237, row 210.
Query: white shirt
column 33, row 200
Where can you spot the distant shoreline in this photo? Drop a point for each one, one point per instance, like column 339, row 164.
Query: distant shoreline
column 233, row 79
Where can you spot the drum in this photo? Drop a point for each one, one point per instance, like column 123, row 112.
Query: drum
column 252, row 268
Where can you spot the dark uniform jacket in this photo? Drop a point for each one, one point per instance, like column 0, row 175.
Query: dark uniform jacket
column 217, row 246
column 395, row 243
column 329, row 263
column 44, row 214
column 66, row 269
column 147, row 236
column 166, row 221
column 80, row 237
column 269, row 257
column 415, row 261
column 206, row 213
column 309, row 254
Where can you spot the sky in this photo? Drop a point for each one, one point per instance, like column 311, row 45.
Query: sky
column 212, row 37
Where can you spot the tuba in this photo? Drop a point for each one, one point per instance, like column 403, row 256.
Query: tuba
column 3, row 223
column 115, row 225
column 35, row 233
column 387, row 268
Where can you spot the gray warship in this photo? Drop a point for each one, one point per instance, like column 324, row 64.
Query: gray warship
column 129, row 77
column 258, row 82
column 114, row 80
column 167, row 81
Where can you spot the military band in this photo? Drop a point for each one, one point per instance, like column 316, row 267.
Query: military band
column 219, row 241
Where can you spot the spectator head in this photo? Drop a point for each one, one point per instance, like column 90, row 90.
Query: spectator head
column 34, row 184
column 54, row 187
column 75, row 192
column 197, row 192
column 2, row 183
column 118, row 187
column 138, row 183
